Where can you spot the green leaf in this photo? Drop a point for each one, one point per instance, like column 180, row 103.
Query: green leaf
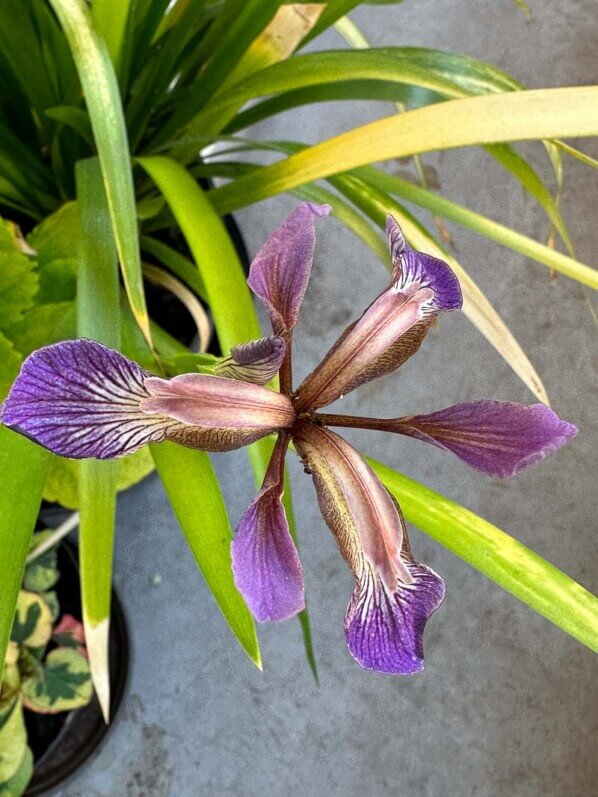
column 62, row 684
column 13, row 744
column 497, row 555
column 43, row 325
column 105, row 111
column 17, row 785
column 226, row 288
column 213, row 252
column 98, row 318
column 525, row 115
column 57, row 236
column 194, row 493
column 23, row 468
column 18, row 280
column 111, row 17
column 62, row 484
column 180, row 266
column 10, row 362
column 33, row 621
column 75, row 118
column 51, row 599
column 42, row 573
column 249, row 20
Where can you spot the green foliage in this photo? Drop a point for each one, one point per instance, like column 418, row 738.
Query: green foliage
column 62, row 482
column 63, row 684
column 42, row 573
column 13, row 742
column 18, row 281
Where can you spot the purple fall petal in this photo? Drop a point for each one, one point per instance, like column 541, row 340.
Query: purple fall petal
column 257, row 361
column 81, row 399
column 280, row 270
column 384, row 628
column 266, row 566
column 499, row 438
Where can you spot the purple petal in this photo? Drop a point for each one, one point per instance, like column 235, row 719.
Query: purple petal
column 257, row 361
column 81, row 399
column 410, row 267
column 500, row 438
column 266, row 566
column 384, row 628
column 280, row 270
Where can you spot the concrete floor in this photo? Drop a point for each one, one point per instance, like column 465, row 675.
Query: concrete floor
column 507, row 703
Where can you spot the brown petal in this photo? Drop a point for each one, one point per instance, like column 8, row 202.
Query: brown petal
column 355, row 505
column 364, row 345
column 215, row 413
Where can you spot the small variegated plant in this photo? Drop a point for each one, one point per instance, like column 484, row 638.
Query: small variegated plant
column 45, row 670
column 81, row 399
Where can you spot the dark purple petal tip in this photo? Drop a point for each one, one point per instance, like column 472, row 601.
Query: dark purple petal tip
column 384, row 629
column 417, row 267
column 499, row 438
column 257, row 361
column 80, row 399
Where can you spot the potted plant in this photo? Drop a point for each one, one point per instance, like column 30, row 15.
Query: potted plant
column 46, row 696
column 104, row 158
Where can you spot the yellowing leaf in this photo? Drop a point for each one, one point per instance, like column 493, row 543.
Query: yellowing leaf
column 63, row 684
column 33, row 621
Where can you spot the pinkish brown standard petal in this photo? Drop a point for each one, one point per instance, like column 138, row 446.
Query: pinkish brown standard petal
column 266, row 566
column 356, row 506
column 388, row 333
column 215, row 413
column 280, row 270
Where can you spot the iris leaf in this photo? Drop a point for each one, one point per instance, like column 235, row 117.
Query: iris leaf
column 105, row 112
column 98, row 318
column 543, row 113
column 23, row 467
column 220, row 269
column 497, row 555
column 194, row 494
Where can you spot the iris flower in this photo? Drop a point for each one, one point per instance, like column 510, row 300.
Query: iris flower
column 81, row 399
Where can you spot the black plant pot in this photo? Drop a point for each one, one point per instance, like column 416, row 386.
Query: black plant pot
column 63, row 742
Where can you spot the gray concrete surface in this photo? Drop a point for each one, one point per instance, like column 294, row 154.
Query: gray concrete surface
column 507, row 704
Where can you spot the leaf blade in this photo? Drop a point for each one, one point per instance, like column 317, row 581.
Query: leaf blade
column 23, row 467
column 98, row 318
column 185, row 475
column 524, row 115
column 107, row 120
